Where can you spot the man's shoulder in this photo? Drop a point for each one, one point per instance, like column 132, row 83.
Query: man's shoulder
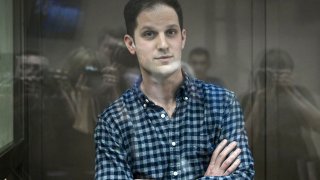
column 213, row 91
column 120, row 106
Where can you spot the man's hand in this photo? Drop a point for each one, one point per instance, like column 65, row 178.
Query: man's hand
column 220, row 164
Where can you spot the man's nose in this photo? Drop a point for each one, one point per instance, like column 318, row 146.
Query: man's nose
column 162, row 42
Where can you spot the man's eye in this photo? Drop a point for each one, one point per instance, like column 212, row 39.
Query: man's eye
column 148, row 34
column 171, row 32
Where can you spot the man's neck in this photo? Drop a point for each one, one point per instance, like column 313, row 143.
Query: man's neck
column 162, row 91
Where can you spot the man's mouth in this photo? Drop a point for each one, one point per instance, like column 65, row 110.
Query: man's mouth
column 163, row 57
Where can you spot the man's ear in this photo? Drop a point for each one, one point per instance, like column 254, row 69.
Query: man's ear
column 128, row 40
column 184, row 37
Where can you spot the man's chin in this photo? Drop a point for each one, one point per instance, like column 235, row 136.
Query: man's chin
column 165, row 74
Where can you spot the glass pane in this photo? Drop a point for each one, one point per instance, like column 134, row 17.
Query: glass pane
column 283, row 115
column 6, row 74
column 78, row 65
column 265, row 51
column 292, row 90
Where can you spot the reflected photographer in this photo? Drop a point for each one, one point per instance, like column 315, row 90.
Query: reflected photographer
column 284, row 134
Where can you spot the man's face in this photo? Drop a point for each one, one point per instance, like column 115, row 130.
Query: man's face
column 158, row 41
column 106, row 47
column 31, row 67
column 199, row 64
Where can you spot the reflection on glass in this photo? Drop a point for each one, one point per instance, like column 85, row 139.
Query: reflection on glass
column 30, row 70
column 6, row 75
column 69, row 112
column 109, row 41
column 128, row 67
column 84, row 75
column 280, row 115
column 74, row 96
column 200, row 62
column 54, row 18
column 63, row 101
column 6, row 101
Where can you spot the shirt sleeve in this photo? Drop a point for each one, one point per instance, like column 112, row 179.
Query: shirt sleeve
column 111, row 158
column 232, row 129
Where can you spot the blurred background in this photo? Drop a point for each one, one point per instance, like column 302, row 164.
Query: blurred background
column 63, row 62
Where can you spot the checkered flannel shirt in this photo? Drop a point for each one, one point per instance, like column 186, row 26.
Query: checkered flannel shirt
column 135, row 139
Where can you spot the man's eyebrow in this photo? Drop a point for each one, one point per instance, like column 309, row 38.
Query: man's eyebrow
column 147, row 28
column 173, row 26
column 152, row 28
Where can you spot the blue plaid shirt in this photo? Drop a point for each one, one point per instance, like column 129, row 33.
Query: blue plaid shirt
column 136, row 139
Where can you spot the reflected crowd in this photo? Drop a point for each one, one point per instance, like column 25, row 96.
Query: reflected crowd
column 60, row 68
column 279, row 113
column 68, row 100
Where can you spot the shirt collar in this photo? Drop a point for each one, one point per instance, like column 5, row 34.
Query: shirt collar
column 183, row 92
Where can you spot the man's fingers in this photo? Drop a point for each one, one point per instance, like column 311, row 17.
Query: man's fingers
column 223, row 160
column 233, row 156
column 226, row 151
column 217, row 151
column 232, row 168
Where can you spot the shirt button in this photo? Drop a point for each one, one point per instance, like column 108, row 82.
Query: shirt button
column 163, row 115
column 175, row 173
column 147, row 100
column 173, row 143
column 144, row 105
column 186, row 98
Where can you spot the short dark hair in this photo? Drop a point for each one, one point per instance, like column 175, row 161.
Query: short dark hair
column 200, row 51
column 134, row 7
column 277, row 59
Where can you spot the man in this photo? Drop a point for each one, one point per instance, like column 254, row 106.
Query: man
column 169, row 125
column 199, row 60
column 31, row 70
column 108, row 41
column 292, row 111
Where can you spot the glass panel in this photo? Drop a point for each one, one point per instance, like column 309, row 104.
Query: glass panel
column 6, row 74
column 292, row 90
column 81, row 65
column 266, row 51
